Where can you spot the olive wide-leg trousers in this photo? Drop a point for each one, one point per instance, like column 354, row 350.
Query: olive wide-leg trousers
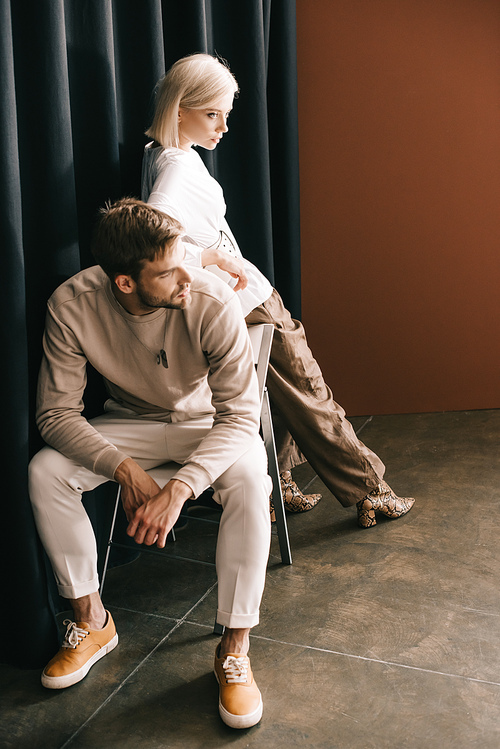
column 307, row 411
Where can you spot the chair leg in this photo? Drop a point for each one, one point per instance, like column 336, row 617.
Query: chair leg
column 110, row 540
column 218, row 628
column 279, row 507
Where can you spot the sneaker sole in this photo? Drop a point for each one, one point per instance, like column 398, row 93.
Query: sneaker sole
column 241, row 721
column 60, row 682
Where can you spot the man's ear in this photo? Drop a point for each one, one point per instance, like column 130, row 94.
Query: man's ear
column 125, row 284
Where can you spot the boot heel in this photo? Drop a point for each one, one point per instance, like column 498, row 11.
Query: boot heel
column 366, row 514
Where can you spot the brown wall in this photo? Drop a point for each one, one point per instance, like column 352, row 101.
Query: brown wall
column 399, row 116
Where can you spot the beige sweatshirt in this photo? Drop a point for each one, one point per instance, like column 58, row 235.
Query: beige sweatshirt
column 210, row 371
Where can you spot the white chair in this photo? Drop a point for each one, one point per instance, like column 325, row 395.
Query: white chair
column 261, row 337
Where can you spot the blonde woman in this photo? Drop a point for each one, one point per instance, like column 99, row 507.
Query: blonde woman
column 193, row 103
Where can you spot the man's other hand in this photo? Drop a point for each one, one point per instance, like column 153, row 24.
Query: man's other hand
column 154, row 519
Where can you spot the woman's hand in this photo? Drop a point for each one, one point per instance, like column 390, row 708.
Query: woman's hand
column 229, row 263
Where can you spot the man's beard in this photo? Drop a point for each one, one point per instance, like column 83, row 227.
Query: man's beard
column 154, row 302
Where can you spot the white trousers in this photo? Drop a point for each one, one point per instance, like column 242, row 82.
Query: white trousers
column 57, row 483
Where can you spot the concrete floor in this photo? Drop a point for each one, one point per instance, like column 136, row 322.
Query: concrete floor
column 385, row 637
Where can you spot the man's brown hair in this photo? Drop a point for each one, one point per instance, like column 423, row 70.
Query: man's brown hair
column 130, row 232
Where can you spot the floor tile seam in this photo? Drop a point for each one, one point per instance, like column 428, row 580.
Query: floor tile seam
column 443, row 606
column 177, row 620
column 311, row 481
column 361, row 657
column 474, row 679
column 118, row 688
column 363, row 425
column 479, row 611
column 143, row 613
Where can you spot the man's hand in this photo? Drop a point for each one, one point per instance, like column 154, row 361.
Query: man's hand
column 151, row 512
column 137, row 486
column 229, row 263
column 153, row 520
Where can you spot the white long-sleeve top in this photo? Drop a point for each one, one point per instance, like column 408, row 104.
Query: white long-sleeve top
column 210, row 371
column 178, row 183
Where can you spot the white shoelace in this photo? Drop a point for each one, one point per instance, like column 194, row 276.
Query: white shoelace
column 236, row 669
column 74, row 635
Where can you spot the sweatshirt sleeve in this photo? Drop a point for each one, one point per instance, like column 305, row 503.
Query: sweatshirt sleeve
column 235, row 397
column 61, row 384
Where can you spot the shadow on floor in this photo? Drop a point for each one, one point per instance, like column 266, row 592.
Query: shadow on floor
column 386, row 637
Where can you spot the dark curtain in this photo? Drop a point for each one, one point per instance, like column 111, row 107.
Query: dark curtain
column 77, row 81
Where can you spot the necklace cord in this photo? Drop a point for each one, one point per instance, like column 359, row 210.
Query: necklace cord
column 161, row 358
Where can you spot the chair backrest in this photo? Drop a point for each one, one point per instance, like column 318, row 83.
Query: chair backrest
column 261, row 338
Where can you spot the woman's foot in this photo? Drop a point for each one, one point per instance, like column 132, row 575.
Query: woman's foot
column 293, row 498
column 382, row 500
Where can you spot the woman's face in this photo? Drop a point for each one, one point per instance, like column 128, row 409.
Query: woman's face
column 204, row 127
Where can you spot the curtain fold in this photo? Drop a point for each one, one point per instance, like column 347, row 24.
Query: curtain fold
column 21, row 561
column 77, row 81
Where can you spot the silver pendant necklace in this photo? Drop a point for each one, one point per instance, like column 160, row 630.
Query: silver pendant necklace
column 161, row 357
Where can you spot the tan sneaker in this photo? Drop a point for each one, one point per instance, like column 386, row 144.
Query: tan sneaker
column 240, row 701
column 82, row 647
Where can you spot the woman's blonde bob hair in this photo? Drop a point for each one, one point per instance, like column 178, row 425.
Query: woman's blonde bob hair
column 193, row 82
